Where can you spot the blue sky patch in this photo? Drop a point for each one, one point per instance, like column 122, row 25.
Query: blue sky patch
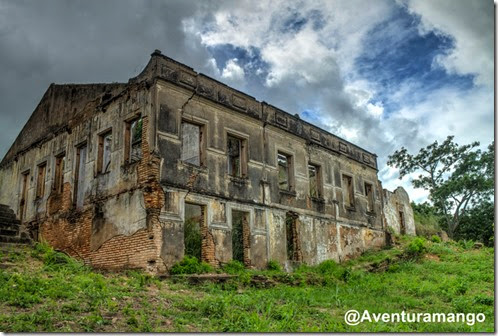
column 397, row 54
column 250, row 60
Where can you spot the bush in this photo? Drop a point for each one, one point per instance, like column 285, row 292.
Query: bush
column 478, row 224
column 427, row 221
column 416, row 247
column 40, row 250
column 234, row 267
column 191, row 265
column 466, row 244
column 484, row 300
column 58, row 261
column 274, row 266
column 461, row 288
column 330, row 267
column 435, row 239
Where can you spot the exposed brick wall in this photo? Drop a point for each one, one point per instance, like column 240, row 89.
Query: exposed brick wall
column 207, row 243
column 69, row 230
column 246, row 241
column 70, row 233
column 59, row 201
column 296, row 242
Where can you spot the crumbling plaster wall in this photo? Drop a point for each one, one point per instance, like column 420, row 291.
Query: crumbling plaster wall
column 320, row 220
column 394, row 202
column 133, row 216
column 118, row 224
column 263, row 142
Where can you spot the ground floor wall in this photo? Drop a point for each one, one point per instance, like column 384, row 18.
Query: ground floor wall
column 271, row 232
column 113, row 234
column 145, row 229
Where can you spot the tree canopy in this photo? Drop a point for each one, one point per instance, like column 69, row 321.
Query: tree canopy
column 457, row 177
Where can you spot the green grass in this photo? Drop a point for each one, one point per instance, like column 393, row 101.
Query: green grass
column 43, row 291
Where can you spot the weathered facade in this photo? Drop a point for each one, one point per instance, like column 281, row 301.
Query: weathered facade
column 398, row 212
column 117, row 173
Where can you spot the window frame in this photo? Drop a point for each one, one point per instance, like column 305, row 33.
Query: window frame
column 41, row 176
column 350, row 203
column 318, row 179
column 202, row 142
column 243, row 155
column 101, row 150
column 77, row 167
column 290, row 171
column 370, row 197
column 60, row 165
column 128, row 142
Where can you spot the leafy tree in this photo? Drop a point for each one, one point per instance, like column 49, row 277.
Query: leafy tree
column 428, row 220
column 457, row 177
column 478, row 224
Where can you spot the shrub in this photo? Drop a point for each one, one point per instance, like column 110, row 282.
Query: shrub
column 330, row 267
column 274, row 266
column 427, row 221
column 466, row 244
column 58, row 261
column 139, row 279
column 435, row 239
column 190, row 265
column 234, row 267
column 416, row 247
column 484, row 300
column 478, row 224
column 461, row 288
column 40, row 250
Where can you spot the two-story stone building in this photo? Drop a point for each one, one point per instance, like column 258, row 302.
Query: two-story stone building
column 137, row 174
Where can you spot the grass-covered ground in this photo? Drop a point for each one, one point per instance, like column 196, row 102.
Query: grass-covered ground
column 42, row 290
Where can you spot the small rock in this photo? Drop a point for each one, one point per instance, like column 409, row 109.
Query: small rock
column 478, row 245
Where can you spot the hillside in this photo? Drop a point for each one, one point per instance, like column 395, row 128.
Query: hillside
column 42, row 290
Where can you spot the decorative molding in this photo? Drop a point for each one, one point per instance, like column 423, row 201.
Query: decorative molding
column 343, row 147
column 315, row 135
column 239, row 102
column 281, row 119
column 187, row 78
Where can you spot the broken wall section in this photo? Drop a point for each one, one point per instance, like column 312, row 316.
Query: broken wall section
column 116, row 223
column 398, row 212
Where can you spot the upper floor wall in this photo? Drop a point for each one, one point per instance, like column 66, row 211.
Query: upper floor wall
column 169, row 70
column 188, row 123
column 61, row 107
column 92, row 157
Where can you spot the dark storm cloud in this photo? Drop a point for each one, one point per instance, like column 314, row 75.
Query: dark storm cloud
column 80, row 42
column 399, row 73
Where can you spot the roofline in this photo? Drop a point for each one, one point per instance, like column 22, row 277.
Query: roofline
column 158, row 53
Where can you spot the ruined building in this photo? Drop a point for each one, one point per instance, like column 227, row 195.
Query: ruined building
column 137, row 174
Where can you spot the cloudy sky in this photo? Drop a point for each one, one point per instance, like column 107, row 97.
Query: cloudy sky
column 381, row 74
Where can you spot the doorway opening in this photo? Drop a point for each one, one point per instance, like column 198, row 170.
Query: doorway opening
column 402, row 228
column 293, row 246
column 24, row 196
column 192, row 230
column 241, row 237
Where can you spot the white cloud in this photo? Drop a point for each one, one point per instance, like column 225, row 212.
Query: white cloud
column 466, row 114
column 362, row 94
column 313, row 67
column 350, row 134
column 469, row 23
column 310, row 55
column 213, row 66
column 233, row 71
